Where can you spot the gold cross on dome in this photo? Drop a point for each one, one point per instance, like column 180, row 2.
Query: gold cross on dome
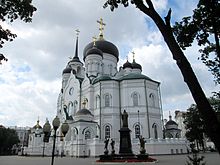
column 101, row 27
column 133, row 54
column 77, row 32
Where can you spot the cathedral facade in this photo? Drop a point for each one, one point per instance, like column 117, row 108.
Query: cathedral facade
column 95, row 92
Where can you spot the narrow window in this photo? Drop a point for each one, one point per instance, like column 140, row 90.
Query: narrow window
column 87, row 135
column 152, row 100
column 135, row 99
column 97, row 101
column 155, row 131
column 107, row 101
column 137, row 131
column 107, row 131
column 75, row 106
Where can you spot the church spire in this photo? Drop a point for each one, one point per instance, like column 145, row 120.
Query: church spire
column 76, row 49
column 101, row 28
column 76, row 57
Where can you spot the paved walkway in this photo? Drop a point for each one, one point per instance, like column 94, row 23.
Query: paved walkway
column 210, row 158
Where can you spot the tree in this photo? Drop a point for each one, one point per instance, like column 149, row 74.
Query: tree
column 11, row 10
column 212, row 125
column 194, row 123
column 203, row 26
column 194, row 126
column 8, row 138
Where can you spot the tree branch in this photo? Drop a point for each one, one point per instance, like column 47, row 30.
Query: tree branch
column 168, row 17
column 140, row 5
column 150, row 4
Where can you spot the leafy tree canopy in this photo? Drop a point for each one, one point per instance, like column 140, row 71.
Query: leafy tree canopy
column 8, row 138
column 11, row 10
column 204, row 26
column 194, row 123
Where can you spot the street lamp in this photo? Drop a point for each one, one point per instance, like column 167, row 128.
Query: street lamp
column 47, row 130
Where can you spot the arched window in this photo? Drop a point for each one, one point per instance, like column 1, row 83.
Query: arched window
column 87, row 134
column 155, row 131
column 135, row 99
column 74, row 133
column 137, row 131
column 107, row 100
column 152, row 99
column 107, row 131
column 75, row 104
column 97, row 101
column 70, row 108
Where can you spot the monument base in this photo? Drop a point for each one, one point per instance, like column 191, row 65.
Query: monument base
column 126, row 158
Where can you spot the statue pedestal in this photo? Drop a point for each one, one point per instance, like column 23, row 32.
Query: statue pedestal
column 125, row 142
column 125, row 151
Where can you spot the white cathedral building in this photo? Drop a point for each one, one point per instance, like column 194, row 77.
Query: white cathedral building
column 93, row 96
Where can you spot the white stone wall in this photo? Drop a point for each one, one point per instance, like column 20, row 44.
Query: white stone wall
column 95, row 147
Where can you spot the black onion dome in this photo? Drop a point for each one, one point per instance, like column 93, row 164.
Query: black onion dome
column 171, row 122
column 75, row 59
column 127, row 65
column 94, row 50
column 136, row 65
column 104, row 46
column 84, row 111
column 67, row 70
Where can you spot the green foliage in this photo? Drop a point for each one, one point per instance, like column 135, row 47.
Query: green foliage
column 11, row 10
column 8, row 138
column 195, row 159
column 204, row 26
column 215, row 103
column 113, row 4
column 194, row 125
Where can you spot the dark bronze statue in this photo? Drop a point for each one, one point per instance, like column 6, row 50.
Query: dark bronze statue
column 113, row 146
column 124, row 117
column 142, row 145
column 106, row 143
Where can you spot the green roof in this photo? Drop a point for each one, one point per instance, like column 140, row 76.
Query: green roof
column 134, row 76
column 102, row 78
column 131, row 76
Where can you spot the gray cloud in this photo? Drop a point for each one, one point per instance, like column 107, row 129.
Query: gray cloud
column 45, row 45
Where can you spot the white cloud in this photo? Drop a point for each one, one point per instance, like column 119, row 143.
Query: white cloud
column 31, row 80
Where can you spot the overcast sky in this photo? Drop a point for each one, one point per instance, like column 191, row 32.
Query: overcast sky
column 31, row 80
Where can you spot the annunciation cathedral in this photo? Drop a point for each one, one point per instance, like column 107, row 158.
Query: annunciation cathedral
column 95, row 91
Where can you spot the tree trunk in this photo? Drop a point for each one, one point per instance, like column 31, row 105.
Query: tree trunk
column 212, row 126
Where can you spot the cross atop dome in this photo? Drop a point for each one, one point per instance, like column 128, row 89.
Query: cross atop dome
column 77, row 32
column 133, row 55
column 101, row 28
